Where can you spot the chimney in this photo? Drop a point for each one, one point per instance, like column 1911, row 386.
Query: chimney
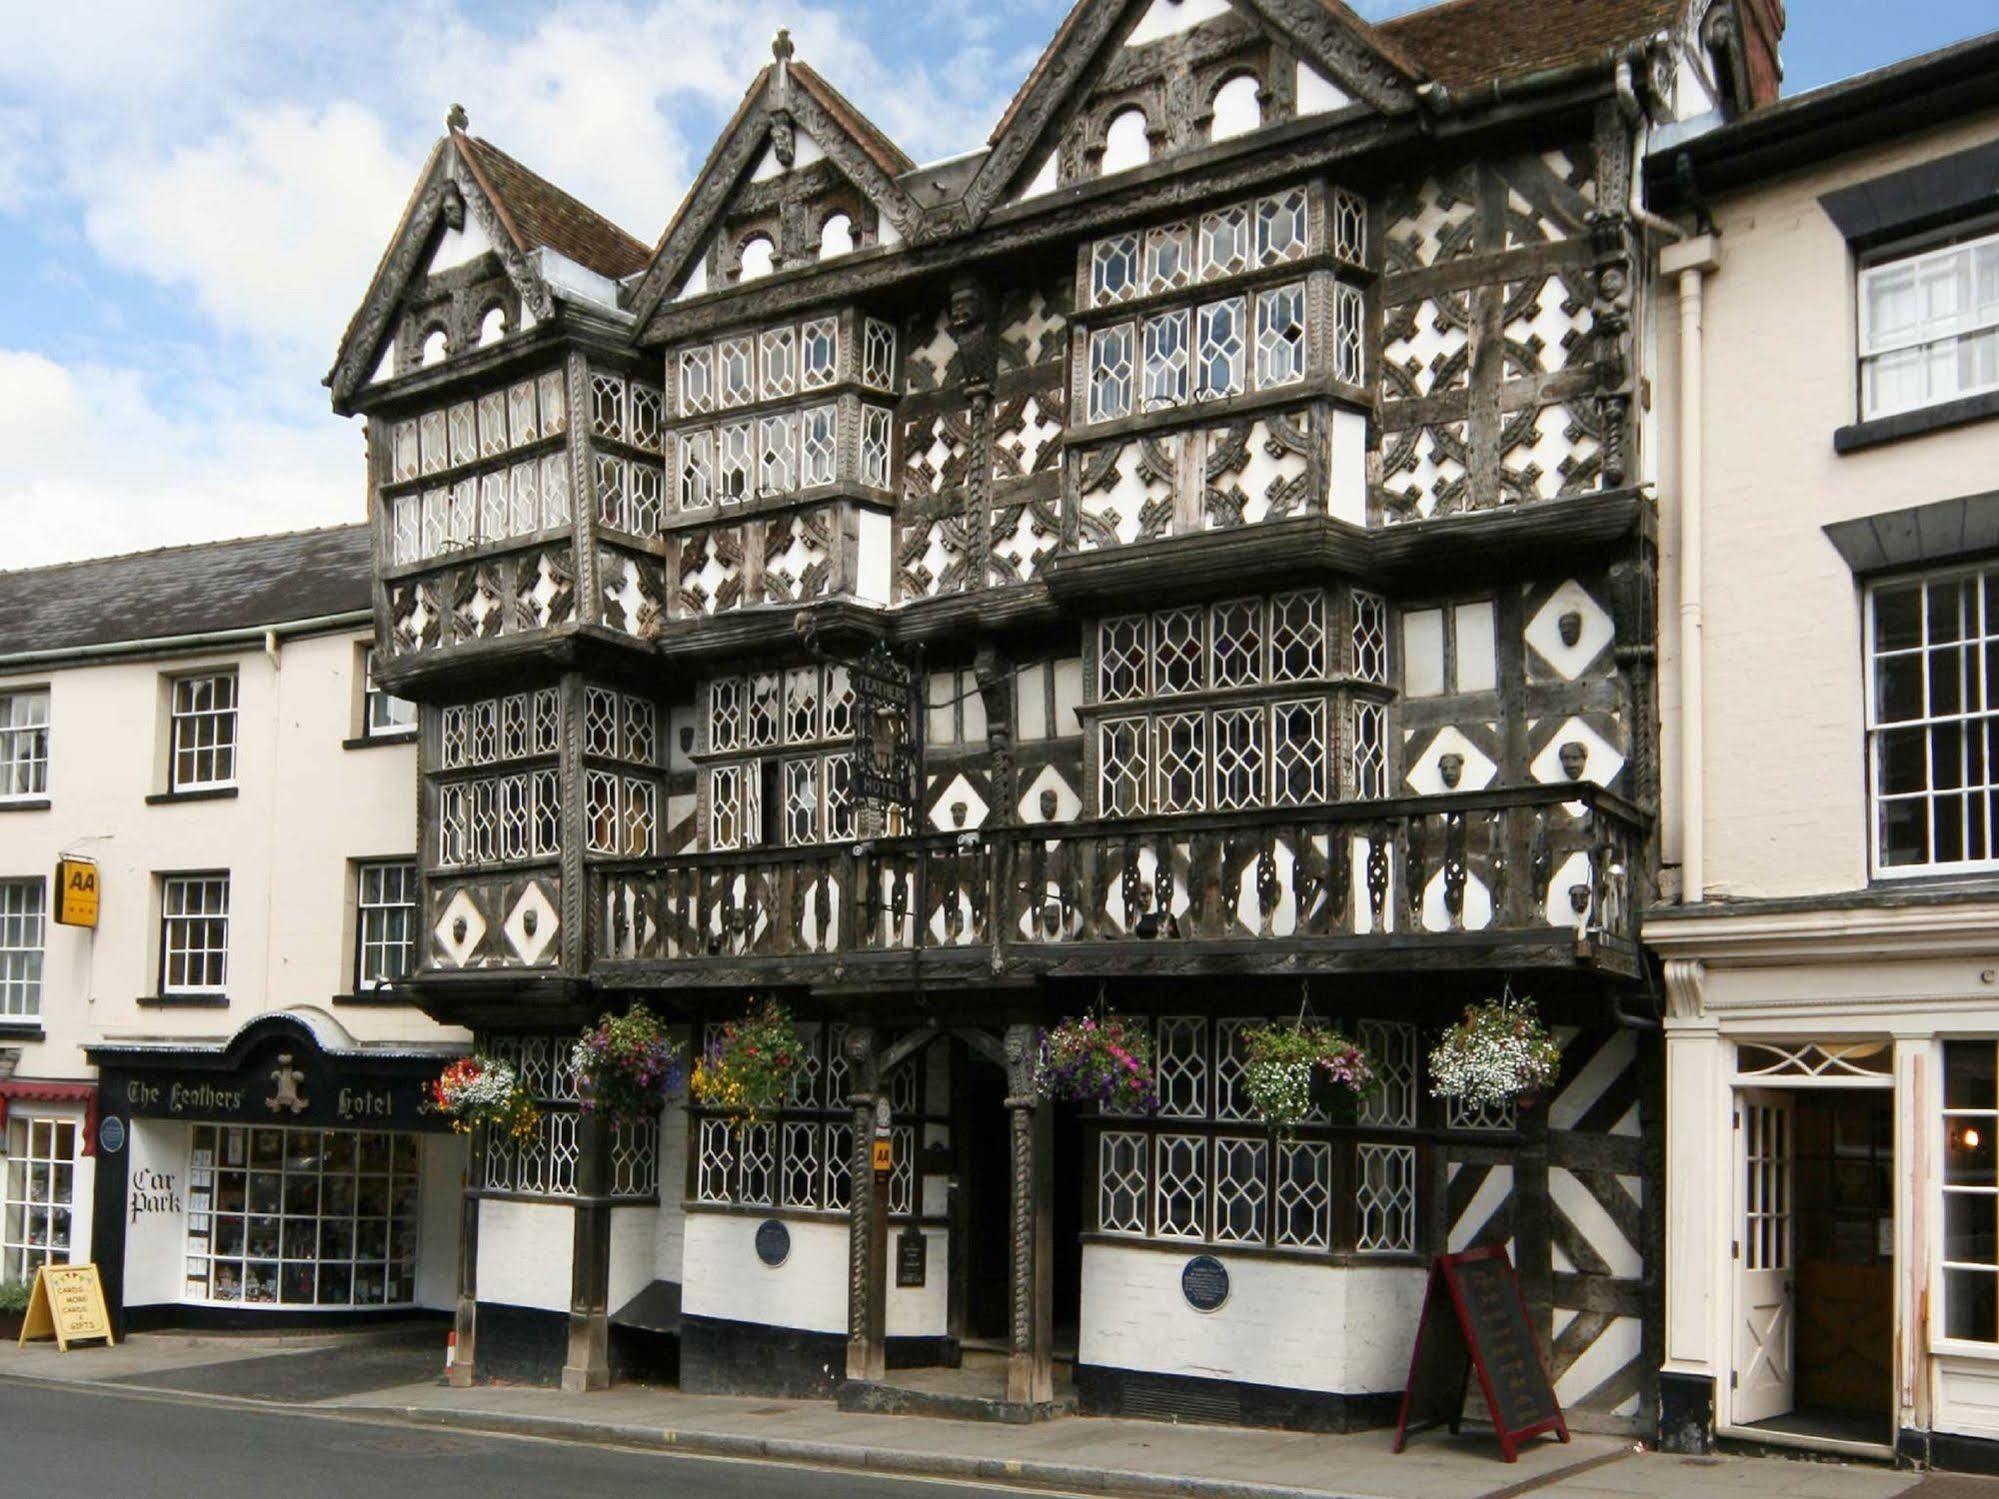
column 1762, row 36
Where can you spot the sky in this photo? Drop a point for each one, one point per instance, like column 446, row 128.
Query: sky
column 194, row 193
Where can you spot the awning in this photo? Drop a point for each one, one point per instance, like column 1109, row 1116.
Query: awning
column 28, row 1091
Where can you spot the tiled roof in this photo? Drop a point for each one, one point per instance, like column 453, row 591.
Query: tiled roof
column 1463, row 43
column 190, row 590
column 537, row 212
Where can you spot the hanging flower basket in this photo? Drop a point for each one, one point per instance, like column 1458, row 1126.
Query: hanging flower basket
column 478, row 1090
column 627, row 1065
column 1499, row 1054
column 1288, row 1070
column 748, row 1068
column 1105, row 1060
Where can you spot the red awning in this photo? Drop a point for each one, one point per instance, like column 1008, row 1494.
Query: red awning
column 27, row 1091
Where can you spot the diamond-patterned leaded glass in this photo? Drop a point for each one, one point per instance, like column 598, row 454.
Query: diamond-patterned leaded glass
column 777, row 453
column 1121, row 767
column 1122, row 658
column 1220, row 338
column 1169, row 257
column 735, row 368
column 1114, row 270
column 737, row 466
column 1370, row 637
column 1110, row 372
column 1239, row 1190
column 1280, row 228
column 697, row 470
column 1237, row 632
column 1298, row 753
column 1122, row 1181
column 1280, row 336
column 764, row 715
column 1370, row 751
column 1392, row 1102
column 801, row 802
column 725, row 713
column 1180, row 753
column 1304, row 1196
column 817, row 449
column 874, row 447
column 801, row 704
column 1225, row 241
column 1385, row 1200
column 1180, row 1186
column 1181, row 1068
column 697, row 380
column 779, row 362
column 1166, row 360
column 1240, row 761
column 878, row 354
column 1179, row 651
column 1298, row 636
column 1349, row 216
column 819, row 352
column 1349, row 336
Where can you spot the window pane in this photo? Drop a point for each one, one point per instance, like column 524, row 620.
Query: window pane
column 1971, row 1305
column 1968, row 1158
column 1969, row 1222
column 1968, row 1075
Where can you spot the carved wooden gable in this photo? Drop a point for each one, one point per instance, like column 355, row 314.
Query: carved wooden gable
column 454, row 276
column 798, row 176
column 1129, row 81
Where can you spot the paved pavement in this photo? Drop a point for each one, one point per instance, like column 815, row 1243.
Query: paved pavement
column 250, row 1380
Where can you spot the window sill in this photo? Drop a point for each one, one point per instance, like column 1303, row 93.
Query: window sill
column 26, row 804
column 22, row 1030
column 375, row 998
column 183, row 1001
column 1906, row 424
column 204, row 794
column 379, row 741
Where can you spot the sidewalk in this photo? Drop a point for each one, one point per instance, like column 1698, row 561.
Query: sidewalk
column 1076, row 1455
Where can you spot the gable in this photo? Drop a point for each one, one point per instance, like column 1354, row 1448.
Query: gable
column 798, row 176
column 1129, row 81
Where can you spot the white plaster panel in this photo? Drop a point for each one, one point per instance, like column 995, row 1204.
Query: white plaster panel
column 1164, row 18
column 1318, row 94
column 1423, row 653
column 1578, row 1204
column 634, row 1234
column 1043, row 181
column 1300, row 1326
column 526, row 1250
column 1348, row 500
column 918, row 1311
column 875, row 544
column 723, row 1277
column 1478, row 651
column 1426, row 777
column 1614, row 1349
column 155, row 1240
column 457, row 247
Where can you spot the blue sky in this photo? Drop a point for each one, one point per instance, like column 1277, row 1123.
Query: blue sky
column 193, row 194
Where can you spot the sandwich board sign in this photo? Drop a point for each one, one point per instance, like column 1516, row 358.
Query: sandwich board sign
column 1475, row 1321
column 67, row 1304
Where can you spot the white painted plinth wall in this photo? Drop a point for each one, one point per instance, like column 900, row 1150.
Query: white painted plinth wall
column 525, row 1253
column 1345, row 1330
column 725, row 1279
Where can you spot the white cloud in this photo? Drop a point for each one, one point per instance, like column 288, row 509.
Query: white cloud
column 95, row 467
column 274, row 224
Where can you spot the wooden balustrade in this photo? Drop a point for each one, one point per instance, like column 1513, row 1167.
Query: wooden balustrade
column 1548, row 864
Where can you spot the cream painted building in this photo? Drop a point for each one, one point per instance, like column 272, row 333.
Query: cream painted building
column 1830, row 694
column 213, row 1093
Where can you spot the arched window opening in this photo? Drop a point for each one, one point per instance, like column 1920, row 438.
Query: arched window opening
column 1125, row 142
column 1238, row 109
column 836, row 237
column 759, row 258
column 435, row 346
column 492, row 325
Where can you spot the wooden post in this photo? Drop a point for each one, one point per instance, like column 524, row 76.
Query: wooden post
column 589, row 1363
column 866, row 1253
column 465, row 1323
column 1030, row 1374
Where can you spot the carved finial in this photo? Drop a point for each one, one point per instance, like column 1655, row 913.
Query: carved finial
column 457, row 119
column 780, row 46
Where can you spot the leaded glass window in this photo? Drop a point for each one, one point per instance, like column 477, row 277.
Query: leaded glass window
column 1218, row 350
column 1111, row 363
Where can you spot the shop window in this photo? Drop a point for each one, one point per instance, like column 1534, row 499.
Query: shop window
column 385, row 924
column 1933, row 722
column 1971, row 1191
column 41, row 1191
column 24, row 745
column 194, row 934
column 203, row 741
column 302, row 1217
column 23, row 915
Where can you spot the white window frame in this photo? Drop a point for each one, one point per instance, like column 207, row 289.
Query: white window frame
column 383, row 714
column 1941, row 335
column 180, row 926
column 186, row 745
column 24, row 744
column 383, row 926
column 34, row 1143
column 23, row 936
column 1977, row 648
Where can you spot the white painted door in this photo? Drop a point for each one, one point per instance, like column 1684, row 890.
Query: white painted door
column 1765, row 1283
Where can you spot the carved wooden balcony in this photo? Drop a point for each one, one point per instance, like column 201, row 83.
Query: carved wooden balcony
column 1524, row 877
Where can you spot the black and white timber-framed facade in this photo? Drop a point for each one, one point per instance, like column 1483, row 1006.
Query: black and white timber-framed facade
column 1251, row 479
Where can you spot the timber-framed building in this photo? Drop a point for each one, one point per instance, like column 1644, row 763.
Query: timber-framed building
column 1192, row 555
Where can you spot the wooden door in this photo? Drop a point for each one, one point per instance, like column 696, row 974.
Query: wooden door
column 1765, row 1379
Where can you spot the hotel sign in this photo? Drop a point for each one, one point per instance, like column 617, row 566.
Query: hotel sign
column 76, row 893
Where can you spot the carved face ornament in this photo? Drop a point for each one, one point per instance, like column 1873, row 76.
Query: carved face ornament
column 1451, row 769
column 1575, row 759
column 1050, row 804
column 1571, row 627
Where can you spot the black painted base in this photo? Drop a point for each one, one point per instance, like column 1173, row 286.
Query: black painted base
column 519, row 1344
column 748, row 1358
column 168, row 1315
column 1946, row 1451
column 1105, row 1391
column 1686, row 1414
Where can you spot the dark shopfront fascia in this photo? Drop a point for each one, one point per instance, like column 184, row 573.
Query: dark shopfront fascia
column 287, row 1175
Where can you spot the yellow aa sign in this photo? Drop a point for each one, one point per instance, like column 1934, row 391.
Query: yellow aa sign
column 76, row 893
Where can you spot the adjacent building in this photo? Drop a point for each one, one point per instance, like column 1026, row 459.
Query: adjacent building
column 1195, row 555
column 1830, row 365
column 213, row 1092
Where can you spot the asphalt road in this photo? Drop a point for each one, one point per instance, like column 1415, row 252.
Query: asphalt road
column 97, row 1441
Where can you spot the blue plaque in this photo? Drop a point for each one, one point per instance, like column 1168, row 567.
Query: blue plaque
column 1204, row 1281
column 111, row 1134
column 773, row 1242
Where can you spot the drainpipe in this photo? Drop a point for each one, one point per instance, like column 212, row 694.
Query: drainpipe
column 1634, row 116
column 1692, row 262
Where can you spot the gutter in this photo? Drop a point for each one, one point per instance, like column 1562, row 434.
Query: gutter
column 264, row 637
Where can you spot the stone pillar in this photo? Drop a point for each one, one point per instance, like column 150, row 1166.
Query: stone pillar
column 1030, row 1375
column 866, row 1352
column 588, row 1366
column 465, row 1323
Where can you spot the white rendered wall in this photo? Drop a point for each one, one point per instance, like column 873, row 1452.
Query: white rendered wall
column 634, row 1233
column 1342, row 1329
column 155, row 1240
column 526, row 1250
column 725, row 1280
column 440, row 1198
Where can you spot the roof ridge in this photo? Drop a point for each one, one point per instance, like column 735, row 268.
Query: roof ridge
column 893, row 161
column 184, row 546
column 480, row 143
